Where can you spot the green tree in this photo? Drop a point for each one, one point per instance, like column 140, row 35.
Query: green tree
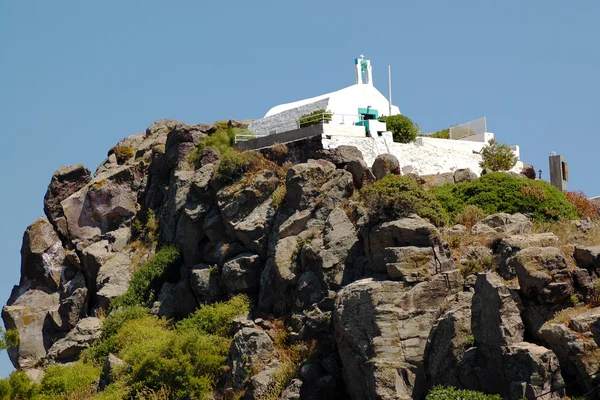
column 497, row 157
column 402, row 127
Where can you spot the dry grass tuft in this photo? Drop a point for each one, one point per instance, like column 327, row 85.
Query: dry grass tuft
column 564, row 316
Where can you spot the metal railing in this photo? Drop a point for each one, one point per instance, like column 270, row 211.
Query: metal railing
column 247, row 135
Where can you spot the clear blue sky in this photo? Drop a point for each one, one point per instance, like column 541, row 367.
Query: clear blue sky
column 77, row 76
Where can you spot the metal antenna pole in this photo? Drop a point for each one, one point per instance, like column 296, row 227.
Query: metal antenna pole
column 390, row 86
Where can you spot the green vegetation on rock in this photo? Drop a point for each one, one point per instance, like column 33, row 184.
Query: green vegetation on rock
column 501, row 192
column 147, row 280
column 177, row 360
column 397, row 196
column 451, row 393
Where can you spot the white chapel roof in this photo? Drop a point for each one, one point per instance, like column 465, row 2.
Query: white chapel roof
column 344, row 101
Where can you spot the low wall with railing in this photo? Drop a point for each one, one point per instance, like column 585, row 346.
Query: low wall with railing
column 284, row 137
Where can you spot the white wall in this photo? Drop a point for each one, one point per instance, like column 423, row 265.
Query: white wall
column 344, row 130
column 413, row 157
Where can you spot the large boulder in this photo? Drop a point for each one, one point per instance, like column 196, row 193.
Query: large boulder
column 175, row 300
column 506, row 248
column 65, row 182
column 338, row 249
column 381, row 331
column 101, row 206
column 503, row 223
column 78, row 339
column 410, row 231
column 588, row 257
column 251, row 347
column 384, row 165
column 521, row 370
column 74, row 300
column 575, row 352
column 112, row 279
column 242, row 274
column 248, row 212
column 205, row 283
column 28, row 312
column 543, row 274
column 450, row 337
column 496, row 317
column 304, row 181
column 42, row 256
column 361, row 173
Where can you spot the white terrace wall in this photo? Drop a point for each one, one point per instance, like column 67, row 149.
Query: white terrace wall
column 425, row 158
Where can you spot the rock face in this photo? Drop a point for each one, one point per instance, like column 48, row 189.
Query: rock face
column 80, row 338
column 65, row 182
column 505, row 223
column 383, row 306
column 520, row 369
column 382, row 331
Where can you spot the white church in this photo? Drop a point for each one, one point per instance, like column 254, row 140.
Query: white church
column 354, row 122
column 359, row 105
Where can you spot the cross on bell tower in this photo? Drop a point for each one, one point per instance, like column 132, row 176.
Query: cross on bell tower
column 363, row 72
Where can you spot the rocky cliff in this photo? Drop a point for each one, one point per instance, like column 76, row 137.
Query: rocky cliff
column 389, row 308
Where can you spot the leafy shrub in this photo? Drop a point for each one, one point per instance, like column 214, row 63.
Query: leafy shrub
column 470, row 215
column 108, row 341
column 443, row 134
column 17, row 386
column 147, row 231
column 501, row 192
column 234, row 164
column 148, row 279
column 451, row 393
column 497, row 157
column 397, row 196
column 222, row 141
column 123, row 153
column 584, row 207
column 403, row 128
column 216, row 319
column 316, row 117
column 61, row 380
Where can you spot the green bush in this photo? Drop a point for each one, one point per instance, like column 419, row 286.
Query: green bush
column 316, row 117
column 122, row 153
column 216, row 319
column 443, row 134
column 497, row 157
column 451, row 393
column 233, row 165
column 501, row 192
column 61, row 380
column 147, row 280
column 222, row 141
column 186, row 358
column 17, row 386
column 397, row 196
column 402, row 128
column 108, row 341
